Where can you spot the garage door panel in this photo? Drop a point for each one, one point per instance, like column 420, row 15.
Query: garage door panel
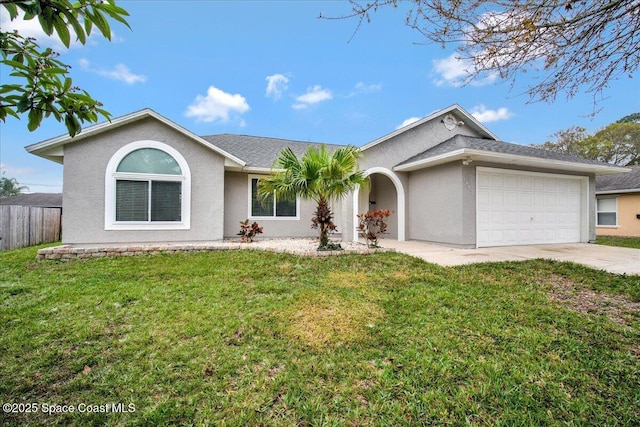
column 518, row 208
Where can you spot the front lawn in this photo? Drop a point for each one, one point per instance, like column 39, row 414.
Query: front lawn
column 626, row 242
column 257, row 338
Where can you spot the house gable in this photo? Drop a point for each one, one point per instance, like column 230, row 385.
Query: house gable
column 53, row 149
column 406, row 142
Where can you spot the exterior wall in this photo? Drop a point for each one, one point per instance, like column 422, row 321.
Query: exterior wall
column 442, row 206
column 236, row 202
column 414, row 141
column 85, row 164
column 396, row 150
column 439, row 210
column 628, row 223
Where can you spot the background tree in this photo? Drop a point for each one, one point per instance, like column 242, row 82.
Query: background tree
column 617, row 143
column 319, row 175
column 42, row 87
column 574, row 45
column 631, row 118
column 10, row 187
column 567, row 141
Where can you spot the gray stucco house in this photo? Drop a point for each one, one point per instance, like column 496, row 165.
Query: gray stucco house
column 449, row 179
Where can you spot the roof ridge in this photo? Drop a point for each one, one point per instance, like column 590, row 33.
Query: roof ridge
column 271, row 137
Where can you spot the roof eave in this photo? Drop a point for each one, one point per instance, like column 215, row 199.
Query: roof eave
column 46, row 148
column 430, row 117
column 625, row 191
column 511, row 159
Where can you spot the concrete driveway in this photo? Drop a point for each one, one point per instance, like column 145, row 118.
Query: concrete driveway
column 613, row 259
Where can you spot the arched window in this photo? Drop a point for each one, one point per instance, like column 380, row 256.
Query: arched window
column 147, row 187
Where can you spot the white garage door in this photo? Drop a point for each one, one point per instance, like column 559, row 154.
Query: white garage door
column 525, row 208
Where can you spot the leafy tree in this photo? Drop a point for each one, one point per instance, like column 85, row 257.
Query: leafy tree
column 617, row 143
column 42, row 86
column 631, row 118
column 10, row 187
column 318, row 175
column 574, row 45
column 567, row 141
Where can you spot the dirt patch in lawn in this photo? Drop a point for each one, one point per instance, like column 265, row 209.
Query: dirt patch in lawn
column 320, row 320
column 578, row 298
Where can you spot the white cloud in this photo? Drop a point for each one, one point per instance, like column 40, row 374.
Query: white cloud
column 120, row 72
column 28, row 28
column 455, row 71
column 362, row 88
column 217, row 105
column 313, row 96
column 276, row 84
column 408, row 122
column 484, row 115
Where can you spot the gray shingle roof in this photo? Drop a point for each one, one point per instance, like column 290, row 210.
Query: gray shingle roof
column 618, row 182
column 45, row 200
column 259, row 151
column 459, row 142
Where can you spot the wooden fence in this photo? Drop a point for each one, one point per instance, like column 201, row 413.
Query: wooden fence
column 22, row 226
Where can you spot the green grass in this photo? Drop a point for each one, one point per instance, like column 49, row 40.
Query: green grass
column 626, row 242
column 257, row 338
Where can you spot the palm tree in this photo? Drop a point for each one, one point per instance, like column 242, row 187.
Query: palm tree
column 10, row 187
column 319, row 175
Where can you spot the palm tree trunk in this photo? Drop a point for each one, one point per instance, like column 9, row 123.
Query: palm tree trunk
column 324, row 219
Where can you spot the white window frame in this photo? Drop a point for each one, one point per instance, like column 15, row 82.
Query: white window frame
column 112, row 175
column 274, row 217
column 599, row 211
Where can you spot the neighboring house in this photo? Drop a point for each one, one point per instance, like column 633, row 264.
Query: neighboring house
column 41, row 200
column 143, row 178
column 618, row 204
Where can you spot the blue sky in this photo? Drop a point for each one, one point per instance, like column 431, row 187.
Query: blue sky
column 272, row 68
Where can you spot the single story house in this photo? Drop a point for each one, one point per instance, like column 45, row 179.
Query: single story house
column 618, row 204
column 450, row 180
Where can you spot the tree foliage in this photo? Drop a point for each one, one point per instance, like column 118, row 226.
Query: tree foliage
column 318, row 175
column 617, row 143
column 10, row 187
column 41, row 87
column 631, row 118
column 573, row 45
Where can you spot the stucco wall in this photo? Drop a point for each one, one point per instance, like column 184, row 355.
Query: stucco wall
column 443, row 203
column 628, row 223
column 409, row 143
column 398, row 149
column 85, row 165
column 236, row 201
column 439, row 210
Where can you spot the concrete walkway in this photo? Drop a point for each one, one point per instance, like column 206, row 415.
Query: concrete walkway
column 613, row 259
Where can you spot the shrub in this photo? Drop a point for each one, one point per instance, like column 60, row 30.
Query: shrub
column 249, row 231
column 372, row 225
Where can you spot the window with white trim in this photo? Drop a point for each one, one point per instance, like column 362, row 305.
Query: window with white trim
column 607, row 212
column 147, row 187
column 272, row 207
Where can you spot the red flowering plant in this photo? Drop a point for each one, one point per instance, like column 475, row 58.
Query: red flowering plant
column 249, row 231
column 372, row 225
